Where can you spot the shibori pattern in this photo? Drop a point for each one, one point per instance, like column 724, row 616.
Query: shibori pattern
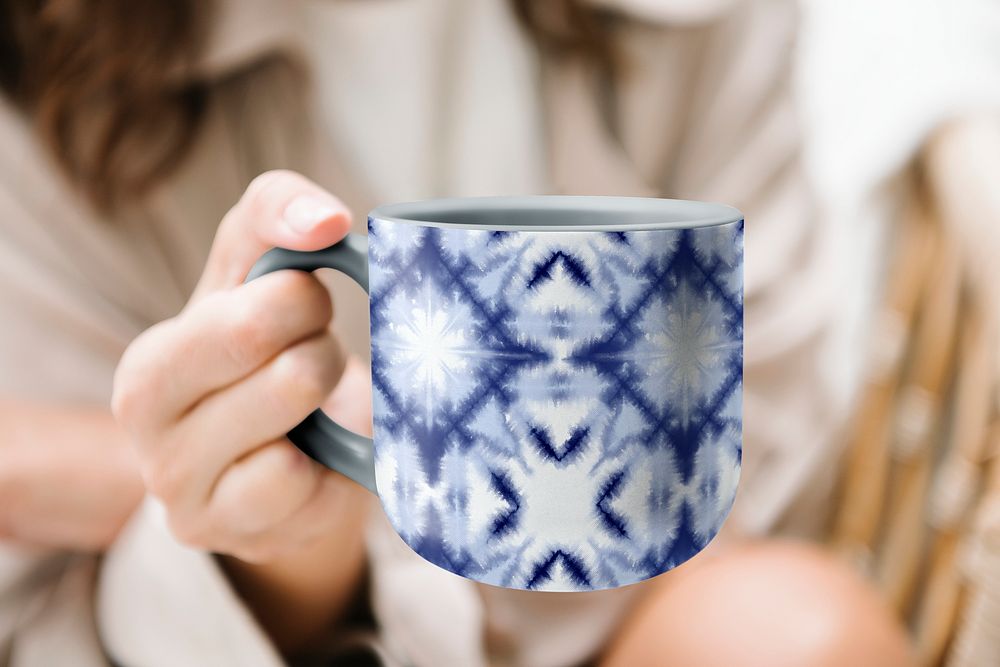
column 557, row 410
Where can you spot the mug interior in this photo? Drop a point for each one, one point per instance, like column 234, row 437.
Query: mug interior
column 560, row 213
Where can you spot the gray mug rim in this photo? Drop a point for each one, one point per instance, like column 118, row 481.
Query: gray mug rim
column 559, row 213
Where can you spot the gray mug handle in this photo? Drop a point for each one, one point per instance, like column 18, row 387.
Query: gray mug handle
column 318, row 436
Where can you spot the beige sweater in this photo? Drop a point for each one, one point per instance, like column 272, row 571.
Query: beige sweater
column 419, row 98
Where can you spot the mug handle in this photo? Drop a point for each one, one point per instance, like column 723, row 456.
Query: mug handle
column 318, row 436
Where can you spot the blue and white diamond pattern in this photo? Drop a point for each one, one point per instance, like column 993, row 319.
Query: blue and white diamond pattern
column 557, row 410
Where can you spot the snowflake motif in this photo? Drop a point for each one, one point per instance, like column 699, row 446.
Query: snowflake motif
column 429, row 346
column 685, row 348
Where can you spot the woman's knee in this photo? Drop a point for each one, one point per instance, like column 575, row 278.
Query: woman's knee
column 768, row 604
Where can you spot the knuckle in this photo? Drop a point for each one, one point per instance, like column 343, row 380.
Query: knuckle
column 306, row 293
column 128, row 398
column 166, row 482
column 259, row 190
column 267, row 178
column 251, row 338
column 234, row 506
column 278, row 481
column 136, row 380
column 302, row 378
column 300, row 292
column 316, row 299
column 256, row 327
column 256, row 200
column 212, row 302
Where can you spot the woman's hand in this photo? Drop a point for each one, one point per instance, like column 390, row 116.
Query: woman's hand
column 208, row 395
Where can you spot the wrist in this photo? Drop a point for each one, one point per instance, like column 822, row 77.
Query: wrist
column 79, row 451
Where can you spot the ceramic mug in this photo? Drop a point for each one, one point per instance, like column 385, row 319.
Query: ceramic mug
column 557, row 382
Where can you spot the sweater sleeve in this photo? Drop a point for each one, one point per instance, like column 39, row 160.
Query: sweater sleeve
column 160, row 603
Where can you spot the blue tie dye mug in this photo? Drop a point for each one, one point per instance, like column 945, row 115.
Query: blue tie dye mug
column 557, row 382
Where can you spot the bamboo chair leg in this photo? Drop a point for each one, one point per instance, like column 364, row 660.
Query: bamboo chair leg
column 867, row 462
column 977, row 641
column 961, row 162
column 941, row 602
column 923, row 399
column 955, row 486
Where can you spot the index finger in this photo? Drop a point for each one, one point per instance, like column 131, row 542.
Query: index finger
column 279, row 209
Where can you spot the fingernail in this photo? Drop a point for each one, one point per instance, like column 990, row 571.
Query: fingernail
column 305, row 212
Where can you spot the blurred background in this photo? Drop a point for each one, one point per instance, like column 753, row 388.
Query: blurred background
column 861, row 139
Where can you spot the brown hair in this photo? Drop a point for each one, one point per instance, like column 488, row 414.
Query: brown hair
column 103, row 79
column 567, row 28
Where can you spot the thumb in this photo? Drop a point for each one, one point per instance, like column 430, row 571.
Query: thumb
column 279, row 209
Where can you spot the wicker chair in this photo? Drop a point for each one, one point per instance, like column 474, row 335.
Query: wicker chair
column 919, row 506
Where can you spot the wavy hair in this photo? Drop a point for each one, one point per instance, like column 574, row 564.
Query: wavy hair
column 102, row 82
